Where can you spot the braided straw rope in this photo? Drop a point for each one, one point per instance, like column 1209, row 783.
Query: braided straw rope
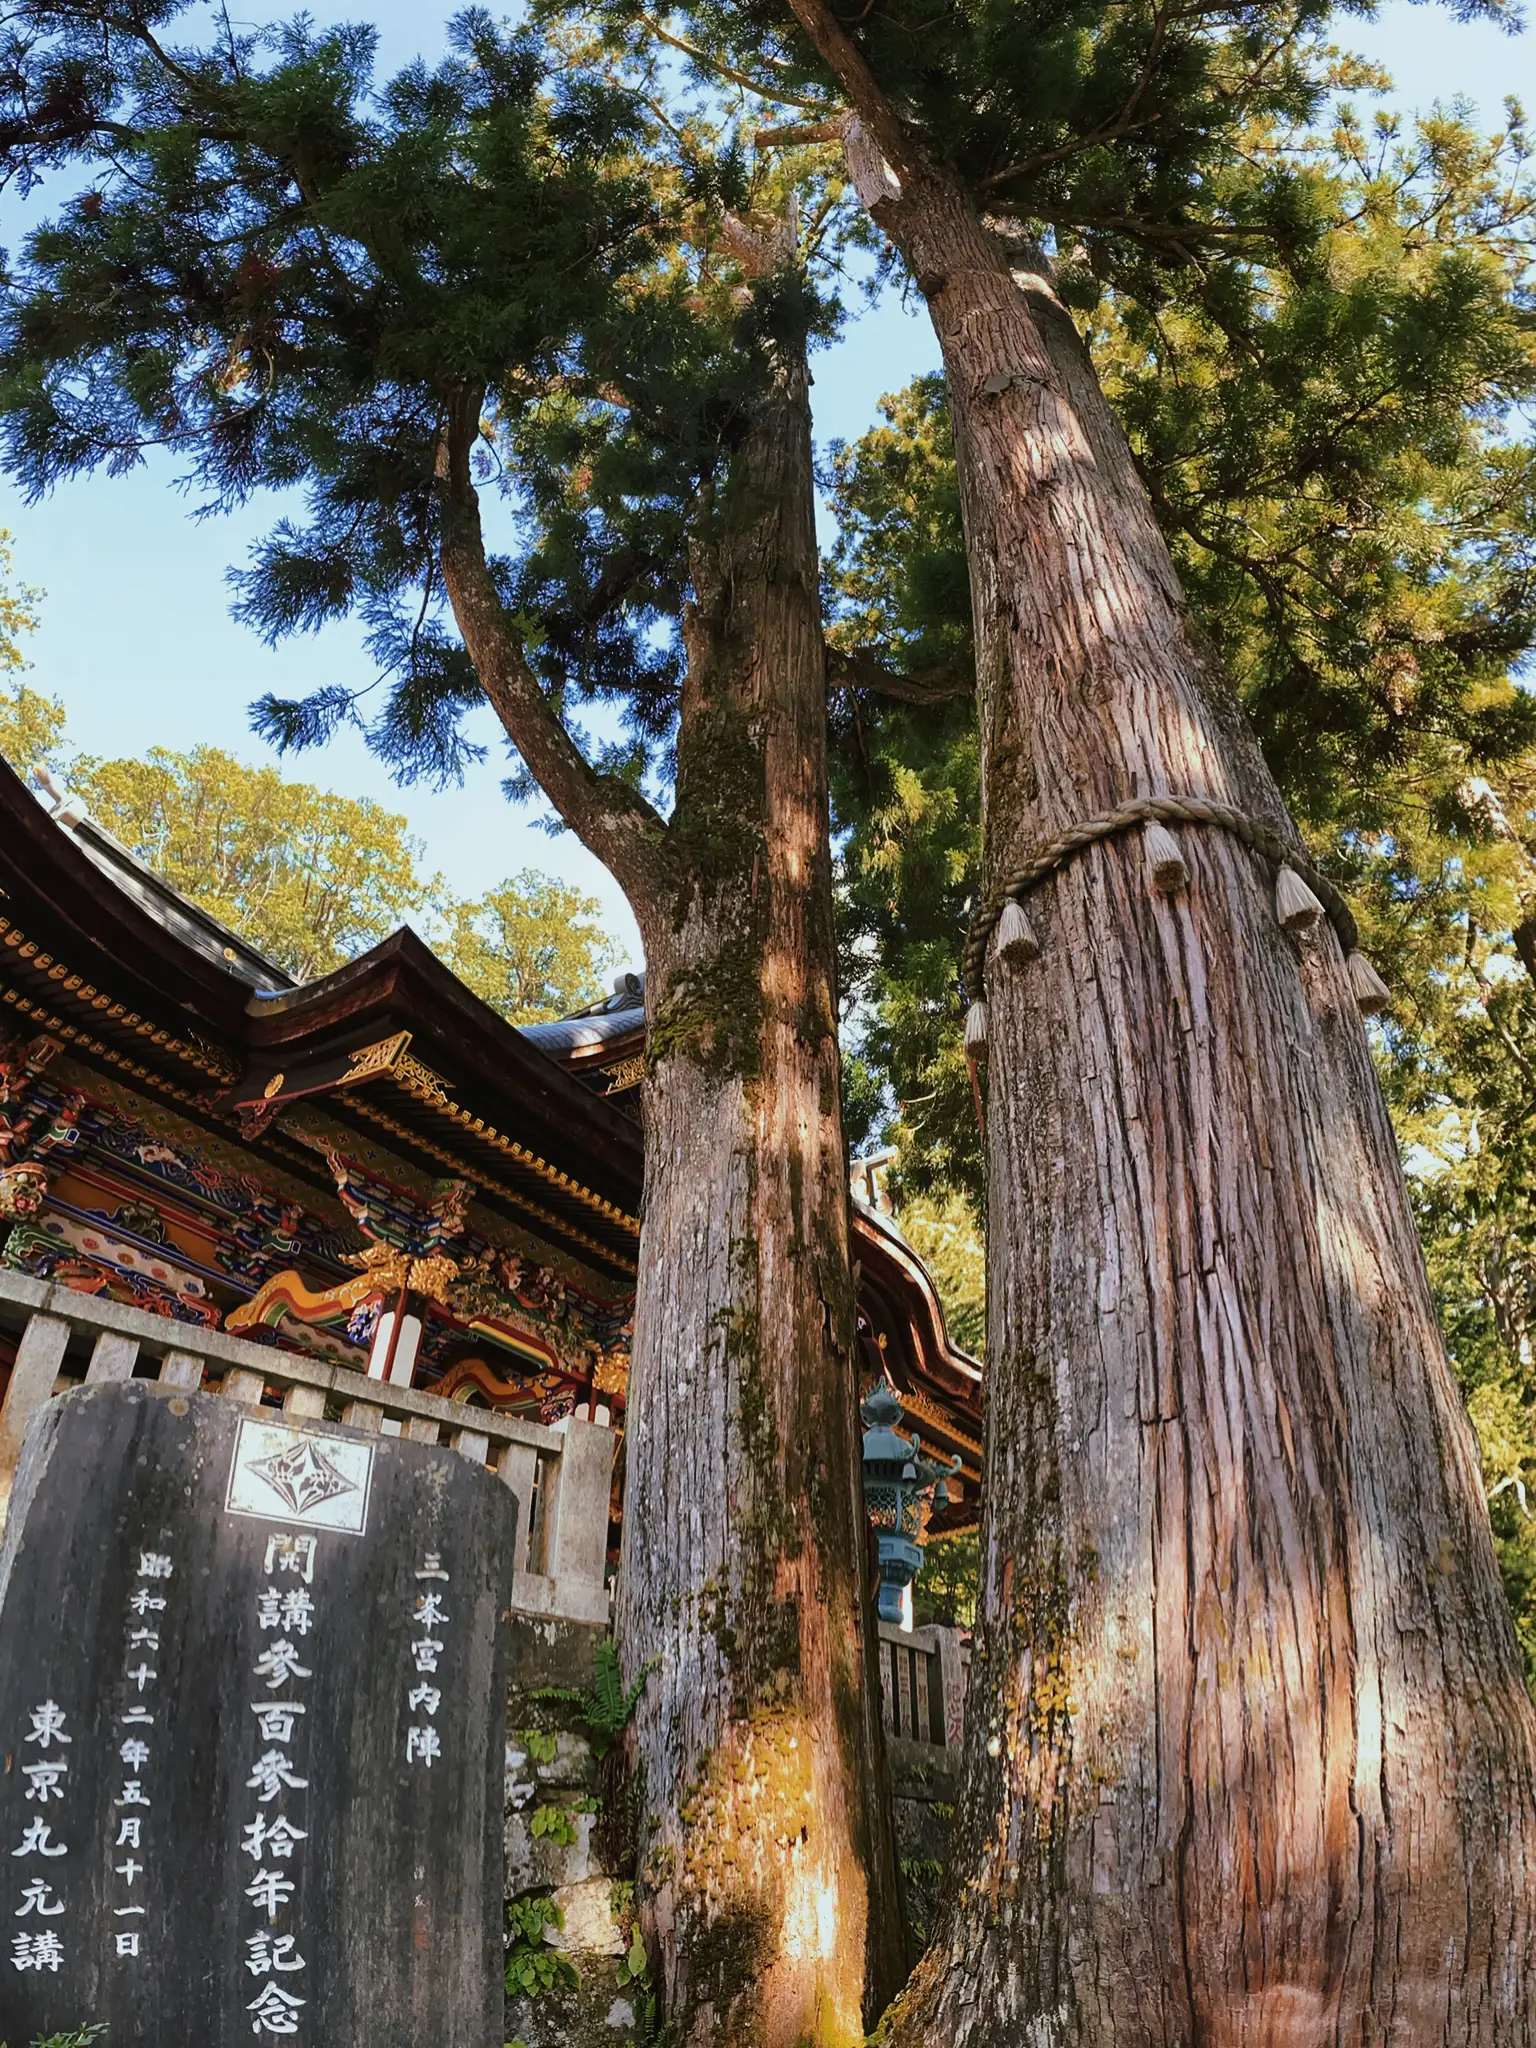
column 1168, row 810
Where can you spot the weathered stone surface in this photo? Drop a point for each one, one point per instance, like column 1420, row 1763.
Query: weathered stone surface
column 545, row 1652
column 925, row 1783
column 572, row 1765
column 543, row 1863
column 587, row 1923
column 551, row 1765
column 226, row 1613
column 596, row 2012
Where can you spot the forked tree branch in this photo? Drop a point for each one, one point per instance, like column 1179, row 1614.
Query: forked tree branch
column 607, row 815
column 879, row 119
column 860, row 668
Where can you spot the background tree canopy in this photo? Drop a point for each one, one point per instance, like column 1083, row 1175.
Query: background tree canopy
column 312, row 879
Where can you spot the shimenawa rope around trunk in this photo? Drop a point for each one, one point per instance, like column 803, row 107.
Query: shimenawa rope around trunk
column 1170, row 812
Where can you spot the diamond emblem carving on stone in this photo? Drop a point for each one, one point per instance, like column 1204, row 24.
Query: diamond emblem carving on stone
column 302, row 1477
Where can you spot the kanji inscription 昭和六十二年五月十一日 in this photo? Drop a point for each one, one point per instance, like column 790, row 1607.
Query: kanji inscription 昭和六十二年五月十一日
column 252, row 1677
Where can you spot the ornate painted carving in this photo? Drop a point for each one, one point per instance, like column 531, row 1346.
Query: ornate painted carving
column 22, row 1188
column 384, row 1272
column 375, row 1059
column 92, row 1261
column 386, row 1214
column 36, row 1119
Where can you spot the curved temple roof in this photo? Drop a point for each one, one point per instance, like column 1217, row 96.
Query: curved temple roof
column 141, row 983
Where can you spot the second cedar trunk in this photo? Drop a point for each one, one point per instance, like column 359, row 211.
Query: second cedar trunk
column 1250, row 1760
column 767, row 1870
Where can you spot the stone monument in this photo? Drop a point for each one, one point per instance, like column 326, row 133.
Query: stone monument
column 252, row 1677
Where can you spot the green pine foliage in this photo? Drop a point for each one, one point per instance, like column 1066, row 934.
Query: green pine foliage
column 287, row 271
column 1345, row 480
column 1122, row 138
column 298, row 275
column 906, row 785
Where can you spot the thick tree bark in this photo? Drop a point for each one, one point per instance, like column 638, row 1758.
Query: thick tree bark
column 766, row 1861
column 1249, row 1756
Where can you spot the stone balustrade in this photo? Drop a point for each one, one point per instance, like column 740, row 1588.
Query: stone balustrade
column 559, row 1476
column 922, row 1683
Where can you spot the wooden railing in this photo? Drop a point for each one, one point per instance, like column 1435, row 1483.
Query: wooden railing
column 559, row 1477
column 922, row 1680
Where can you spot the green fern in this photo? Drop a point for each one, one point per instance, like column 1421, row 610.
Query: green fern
column 604, row 1706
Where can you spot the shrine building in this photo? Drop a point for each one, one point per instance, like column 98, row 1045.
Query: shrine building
column 373, row 1168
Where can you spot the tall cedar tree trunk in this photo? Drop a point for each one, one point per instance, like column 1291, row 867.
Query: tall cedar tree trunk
column 1249, row 1759
column 766, row 1860
column 767, row 1867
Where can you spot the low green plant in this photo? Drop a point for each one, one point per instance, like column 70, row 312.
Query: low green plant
column 552, row 1824
column 604, row 1706
column 82, row 2037
column 634, row 1972
column 533, row 1967
column 540, row 1744
column 636, row 1966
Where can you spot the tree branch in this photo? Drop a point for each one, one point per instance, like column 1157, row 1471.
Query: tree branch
column 860, row 668
column 843, row 58
column 807, row 131
column 1524, row 936
column 713, row 64
column 609, row 817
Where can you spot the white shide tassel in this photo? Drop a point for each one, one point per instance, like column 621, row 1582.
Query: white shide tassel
column 1295, row 905
column 1170, row 873
column 1016, row 941
column 976, row 1030
column 1367, row 986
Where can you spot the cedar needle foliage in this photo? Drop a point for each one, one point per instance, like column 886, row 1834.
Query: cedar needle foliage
column 289, row 273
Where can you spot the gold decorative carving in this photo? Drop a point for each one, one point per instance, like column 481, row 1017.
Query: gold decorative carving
column 625, row 1074
column 432, row 1089
column 83, row 1040
column 369, row 1108
column 393, row 1270
column 612, row 1373
column 375, row 1059
column 382, row 1270
column 421, row 1082
column 85, row 993
column 922, row 1405
column 274, row 1086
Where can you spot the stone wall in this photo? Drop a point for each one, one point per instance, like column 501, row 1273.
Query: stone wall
column 569, row 1850
column 567, row 1854
column 925, row 1785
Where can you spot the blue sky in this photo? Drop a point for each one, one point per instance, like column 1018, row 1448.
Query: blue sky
column 135, row 635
